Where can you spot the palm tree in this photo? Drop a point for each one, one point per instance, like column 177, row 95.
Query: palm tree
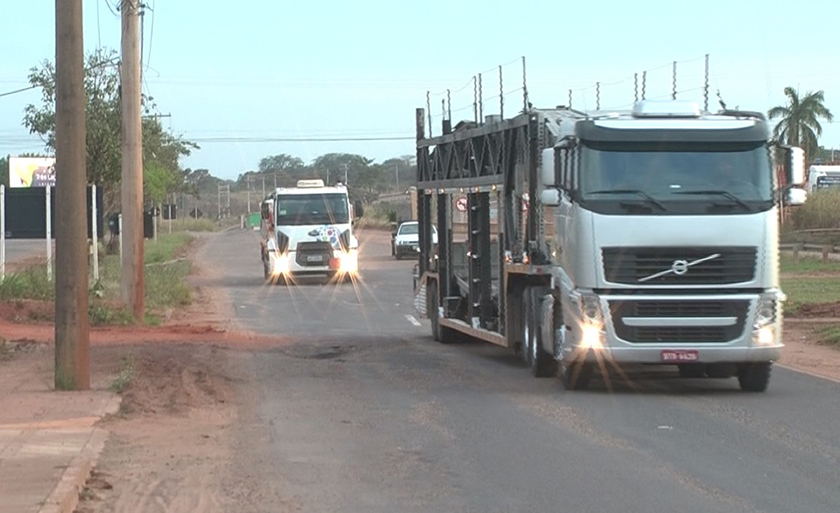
column 799, row 124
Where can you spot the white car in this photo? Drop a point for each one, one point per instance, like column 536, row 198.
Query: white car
column 406, row 240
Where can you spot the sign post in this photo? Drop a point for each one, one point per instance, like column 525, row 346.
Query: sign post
column 2, row 232
column 94, row 234
column 49, row 235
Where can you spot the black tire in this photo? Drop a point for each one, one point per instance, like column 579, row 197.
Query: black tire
column 576, row 375
column 692, row 370
column 525, row 325
column 398, row 255
column 543, row 364
column 440, row 333
column 754, row 377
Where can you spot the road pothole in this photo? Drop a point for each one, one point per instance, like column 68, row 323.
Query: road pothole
column 321, row 353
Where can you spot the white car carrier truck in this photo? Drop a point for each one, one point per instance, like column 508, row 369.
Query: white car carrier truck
column 308, row 230
column 596, row 239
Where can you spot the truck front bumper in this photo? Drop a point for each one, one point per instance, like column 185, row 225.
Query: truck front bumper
column 669, row 329
column 340, row 262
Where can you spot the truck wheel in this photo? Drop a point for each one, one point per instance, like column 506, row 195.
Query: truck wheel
column 692, row 370
column 754, row 377
column 525, row 317
column 543, row 364
column 576, row 375
column 440, row 333
column 398, row 254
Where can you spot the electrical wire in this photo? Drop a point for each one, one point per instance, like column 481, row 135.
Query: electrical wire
column 297, row 139
column 18, row 91
column 151, row 36
column 111, row 8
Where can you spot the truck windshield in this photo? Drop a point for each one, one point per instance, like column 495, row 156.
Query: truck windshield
column 300, row 209
column 737, row 174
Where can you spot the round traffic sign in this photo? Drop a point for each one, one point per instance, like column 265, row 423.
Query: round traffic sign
column 461, row 204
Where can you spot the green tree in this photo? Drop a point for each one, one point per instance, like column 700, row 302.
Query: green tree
column 335, row 165
column 104, row 123
column 370, row 182
column 799, row 123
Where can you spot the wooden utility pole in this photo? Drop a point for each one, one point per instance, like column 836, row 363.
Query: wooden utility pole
column 72, row 329
column 133, row 283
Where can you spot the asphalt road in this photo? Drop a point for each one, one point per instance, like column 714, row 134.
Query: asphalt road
column 363, row 411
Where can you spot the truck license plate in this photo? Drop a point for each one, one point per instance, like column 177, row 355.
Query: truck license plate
column 315, row 258
column 669, row 355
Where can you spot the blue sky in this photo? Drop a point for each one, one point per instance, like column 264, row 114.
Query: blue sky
column 307, row 70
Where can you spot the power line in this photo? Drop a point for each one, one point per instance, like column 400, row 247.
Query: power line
column 18, row 91
column 111, row 8
column 151, row 36
column 298, row 139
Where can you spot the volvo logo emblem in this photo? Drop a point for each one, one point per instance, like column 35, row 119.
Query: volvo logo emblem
column 679, row 267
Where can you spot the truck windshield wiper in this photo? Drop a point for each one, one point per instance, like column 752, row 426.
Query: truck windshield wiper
column 726, row 194
column 637, row 192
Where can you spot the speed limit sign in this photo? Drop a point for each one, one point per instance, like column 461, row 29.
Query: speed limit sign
column 461, row 204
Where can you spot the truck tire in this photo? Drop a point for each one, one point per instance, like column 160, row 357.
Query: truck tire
column 398, row 254
column 525, row 324
column 754, row 377
column 440, row 333
column 543, row 364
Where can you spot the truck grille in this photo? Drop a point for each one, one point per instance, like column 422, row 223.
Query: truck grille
column 620, row 310
column 313, row 254
column 638, row 265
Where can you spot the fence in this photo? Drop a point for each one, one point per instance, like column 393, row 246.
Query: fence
column 29, row 213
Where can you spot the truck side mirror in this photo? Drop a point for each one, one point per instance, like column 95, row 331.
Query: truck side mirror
column 795, row 197
column 550, row 197
column 794, row 166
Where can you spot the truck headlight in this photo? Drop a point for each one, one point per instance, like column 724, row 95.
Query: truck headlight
column 593, row 336
column 590, row 308
column 279, row 263
column 592, row 317
column 764, row 336
column 348, row 262
column 766, row 309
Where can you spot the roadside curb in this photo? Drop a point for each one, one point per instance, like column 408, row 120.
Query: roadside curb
column 65, row 496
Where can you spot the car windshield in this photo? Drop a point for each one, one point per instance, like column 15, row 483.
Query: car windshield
column 409, row 229
column 676, row 171
column 303, row 209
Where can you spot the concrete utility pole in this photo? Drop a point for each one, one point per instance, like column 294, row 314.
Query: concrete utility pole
column 133, row 283
column 72, row 330
column 248, row 183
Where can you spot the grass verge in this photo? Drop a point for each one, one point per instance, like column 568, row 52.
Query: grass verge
column 802, row 290
column 830, row 335
column 166, row 271
column 808, row 266
column 31, row 283
column 165, row 274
